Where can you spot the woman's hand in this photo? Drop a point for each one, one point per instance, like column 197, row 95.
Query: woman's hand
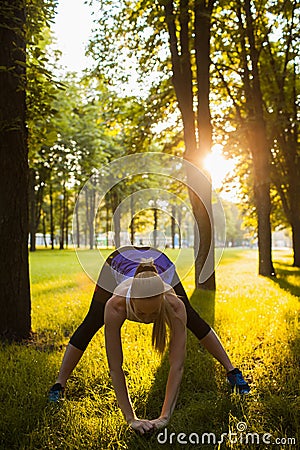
column 141, row 425
column 160, row 422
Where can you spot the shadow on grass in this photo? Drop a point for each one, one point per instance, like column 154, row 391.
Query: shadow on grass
column 277, row 394
column 203, row 405
column 23, row 395
column 48, row 340
column 287, row 277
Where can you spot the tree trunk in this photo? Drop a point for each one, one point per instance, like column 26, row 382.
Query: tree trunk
column 90, row 211
column 116, row 218
column 295, row 183
column 257, row 141
column 288, row 187
column 15, row 305
column 295, row 217
column 66, row 216
column 107, row 221
column 155, row 225
column 263, row 209
column 44, row 230
column 200, row 198
column 179, row 221
column 202, row 47
column 290, row 199
column 92, row 217
column 173, row 225
column 132, row 223
column 77, row 221
column 51, row 215
column 32, row 208
column 117, row 227
column 197, row 144
column 296, row 241
column 36, row 194
column 202, row 207
column 61, row 220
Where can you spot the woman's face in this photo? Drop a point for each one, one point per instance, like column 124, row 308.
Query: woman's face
column 147, row 309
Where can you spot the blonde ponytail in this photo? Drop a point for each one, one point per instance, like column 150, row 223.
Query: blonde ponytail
column 159, row 331
column 147, row 284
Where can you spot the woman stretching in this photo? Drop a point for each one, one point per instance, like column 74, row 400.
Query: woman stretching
column 141, row 284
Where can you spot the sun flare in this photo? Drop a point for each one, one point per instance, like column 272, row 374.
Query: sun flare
column 218, row 166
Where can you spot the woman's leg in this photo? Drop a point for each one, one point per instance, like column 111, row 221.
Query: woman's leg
column 70, row 360
column 90, row 325
column 214, row 346
column 201, row 329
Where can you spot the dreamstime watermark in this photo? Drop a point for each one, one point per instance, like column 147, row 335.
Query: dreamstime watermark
column 146, row 182
column 240, row 436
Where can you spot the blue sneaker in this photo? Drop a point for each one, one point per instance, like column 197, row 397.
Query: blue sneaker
column 238, row 384
column 56, row 393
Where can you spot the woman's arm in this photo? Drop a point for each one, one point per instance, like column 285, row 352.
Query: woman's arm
column 113, row 319
column 176, row 359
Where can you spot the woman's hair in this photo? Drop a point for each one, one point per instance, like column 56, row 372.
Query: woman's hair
column 146, row 265
column 147, row 284
column 159, row 331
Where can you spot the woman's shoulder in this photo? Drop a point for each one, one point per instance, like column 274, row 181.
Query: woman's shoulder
column 122, row 289
column 115, row 309
column 174, row 302
column 170, row 294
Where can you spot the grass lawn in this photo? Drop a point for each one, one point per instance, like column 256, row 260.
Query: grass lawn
column 256, row 318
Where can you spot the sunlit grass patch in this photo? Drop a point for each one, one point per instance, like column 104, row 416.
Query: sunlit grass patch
column 259, row 325
column 257, row 319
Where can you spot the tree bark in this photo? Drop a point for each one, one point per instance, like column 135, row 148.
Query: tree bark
column 32, row 208
column 257, row 141
column 90, row 198
column 155, row 226
column 295, row 218
column 107, row 208
column 132, row 223
column 290, row 199
column 44, row 230
column 179, row 221
column 77, row 200
column 203, row 207
column 173, row 225
column 116, row 218
column 66, row 209
column 202, row 48
column 51, row 214
column 15, row 305
column 36, row 194
column 296, row 242
column 61, row 220
column 197, row 143
column 286, row 168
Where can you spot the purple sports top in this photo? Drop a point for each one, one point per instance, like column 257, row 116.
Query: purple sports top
column 124, row 264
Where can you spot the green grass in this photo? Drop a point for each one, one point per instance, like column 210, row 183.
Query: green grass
column 256, row 318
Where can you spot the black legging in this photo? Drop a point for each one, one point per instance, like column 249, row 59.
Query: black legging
column 94, row 319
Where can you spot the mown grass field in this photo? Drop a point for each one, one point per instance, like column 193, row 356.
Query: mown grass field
column 258, row 322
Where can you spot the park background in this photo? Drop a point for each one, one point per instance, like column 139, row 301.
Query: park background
column 224, row 95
